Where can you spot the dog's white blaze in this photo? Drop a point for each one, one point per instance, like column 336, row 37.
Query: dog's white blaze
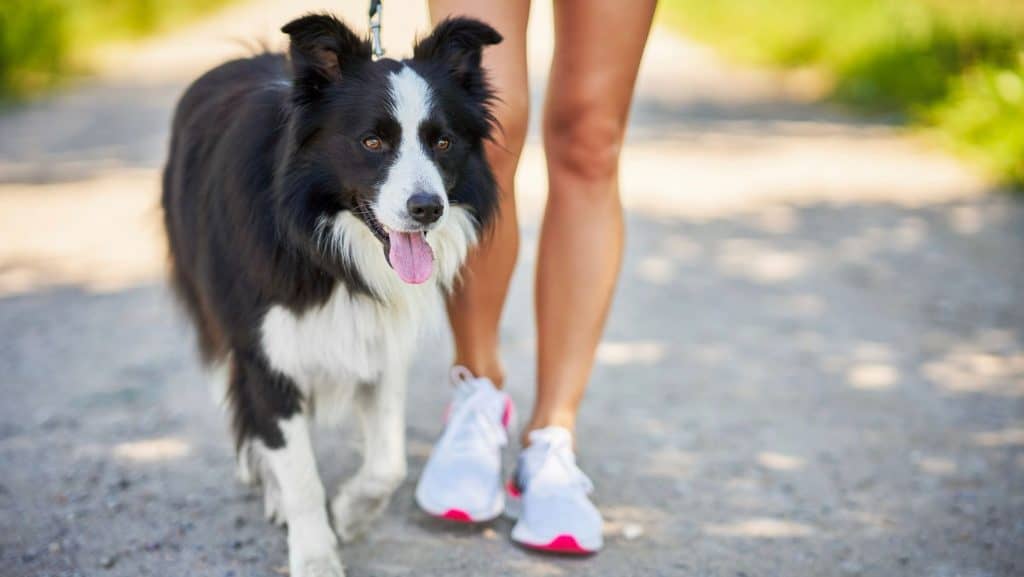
column 413, row 171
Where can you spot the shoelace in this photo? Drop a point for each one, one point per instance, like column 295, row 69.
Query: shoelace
column 470, row 428
column 560, row 450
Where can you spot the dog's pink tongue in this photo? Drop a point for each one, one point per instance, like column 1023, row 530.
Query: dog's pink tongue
column 411, row 256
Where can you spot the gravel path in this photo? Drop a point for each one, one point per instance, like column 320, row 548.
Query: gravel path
column 814, row 365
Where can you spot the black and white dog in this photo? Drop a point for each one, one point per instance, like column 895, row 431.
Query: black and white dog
column 317, row 206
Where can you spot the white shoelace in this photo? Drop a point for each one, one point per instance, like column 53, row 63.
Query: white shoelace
column 471, row 427
column 558, row 448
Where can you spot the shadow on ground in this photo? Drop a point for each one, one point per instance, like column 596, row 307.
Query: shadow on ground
column 812, row 389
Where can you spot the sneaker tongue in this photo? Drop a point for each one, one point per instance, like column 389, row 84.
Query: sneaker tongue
column 487, row 405
column 558, row 437
column 549, row 463
column 464, row 390
column 410, row 256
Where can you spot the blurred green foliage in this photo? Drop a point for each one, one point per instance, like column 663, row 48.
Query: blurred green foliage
column 42, row 40
column 953, row 66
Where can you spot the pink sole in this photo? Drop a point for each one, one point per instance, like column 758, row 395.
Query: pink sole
column 506, row 414
column 564, row 544
column 457, row 516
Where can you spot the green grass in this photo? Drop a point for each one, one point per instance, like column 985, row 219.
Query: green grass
column 42, row 41
column 954, row 67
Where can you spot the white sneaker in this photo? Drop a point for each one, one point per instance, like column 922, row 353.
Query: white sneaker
column 462, row 478
column 549, row 496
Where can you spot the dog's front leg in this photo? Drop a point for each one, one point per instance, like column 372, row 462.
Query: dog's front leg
column 381, row 409
column 311, row 544
column 274, row 432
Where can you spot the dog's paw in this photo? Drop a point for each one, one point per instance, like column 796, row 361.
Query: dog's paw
column 312, row 548
column 273, row 508
column 352, row 512
column 319, row 567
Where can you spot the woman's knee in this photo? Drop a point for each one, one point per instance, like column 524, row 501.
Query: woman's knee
column 584, row 140
column 512, row 113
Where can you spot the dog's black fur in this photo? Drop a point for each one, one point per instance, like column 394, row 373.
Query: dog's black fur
column 263, row 147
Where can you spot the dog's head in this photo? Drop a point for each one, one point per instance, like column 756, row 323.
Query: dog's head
column 396, row 144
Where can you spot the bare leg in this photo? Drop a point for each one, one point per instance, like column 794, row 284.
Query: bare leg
column 598, row 45
column 474, row 309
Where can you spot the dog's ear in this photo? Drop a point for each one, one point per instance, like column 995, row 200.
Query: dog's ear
column 322, row 47
column 458, row 43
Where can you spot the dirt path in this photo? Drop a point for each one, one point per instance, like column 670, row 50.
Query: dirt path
column 814, row 366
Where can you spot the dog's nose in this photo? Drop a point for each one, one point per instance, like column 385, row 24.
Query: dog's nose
column 424, row 207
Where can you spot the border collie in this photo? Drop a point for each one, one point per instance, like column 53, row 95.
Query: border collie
column 317, row 206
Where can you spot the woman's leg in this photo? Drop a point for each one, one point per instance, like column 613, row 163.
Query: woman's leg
column 598, row 45
column 474, row 309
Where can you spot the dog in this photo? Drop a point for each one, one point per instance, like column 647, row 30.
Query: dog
column 317, row 206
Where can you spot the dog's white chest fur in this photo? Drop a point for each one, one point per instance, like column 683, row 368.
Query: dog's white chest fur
column 348, row 340
column 352, row 339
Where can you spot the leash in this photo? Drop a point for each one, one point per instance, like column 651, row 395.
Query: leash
column 376, row 15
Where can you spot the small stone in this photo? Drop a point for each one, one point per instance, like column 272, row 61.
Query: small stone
column 54, row 547
column 108, row 561
column 632, row 531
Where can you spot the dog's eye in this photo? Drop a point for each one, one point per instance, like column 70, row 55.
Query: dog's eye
column 373, row 143
column 443, row 143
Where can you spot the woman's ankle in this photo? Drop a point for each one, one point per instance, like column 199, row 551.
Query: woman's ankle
column 491, row 369
column 563, row 419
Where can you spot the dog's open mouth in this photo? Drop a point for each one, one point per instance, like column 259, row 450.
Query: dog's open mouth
column 407, row 252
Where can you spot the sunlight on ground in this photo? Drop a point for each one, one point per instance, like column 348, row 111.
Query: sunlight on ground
column 151, row 450
column 104, row 233
column 656, row 270
column 872, row 376
column 967, row 369
column 633, row 522
column 967, row 220
column 761, row 528
column 780, row 220
column 630, row 353
column 759, row 262
column 1013, row 437
column 681, row 248
column 780, row 462
column 668, row 463
column 935, row 465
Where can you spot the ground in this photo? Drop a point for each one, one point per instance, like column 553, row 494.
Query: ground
column 814, row 365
